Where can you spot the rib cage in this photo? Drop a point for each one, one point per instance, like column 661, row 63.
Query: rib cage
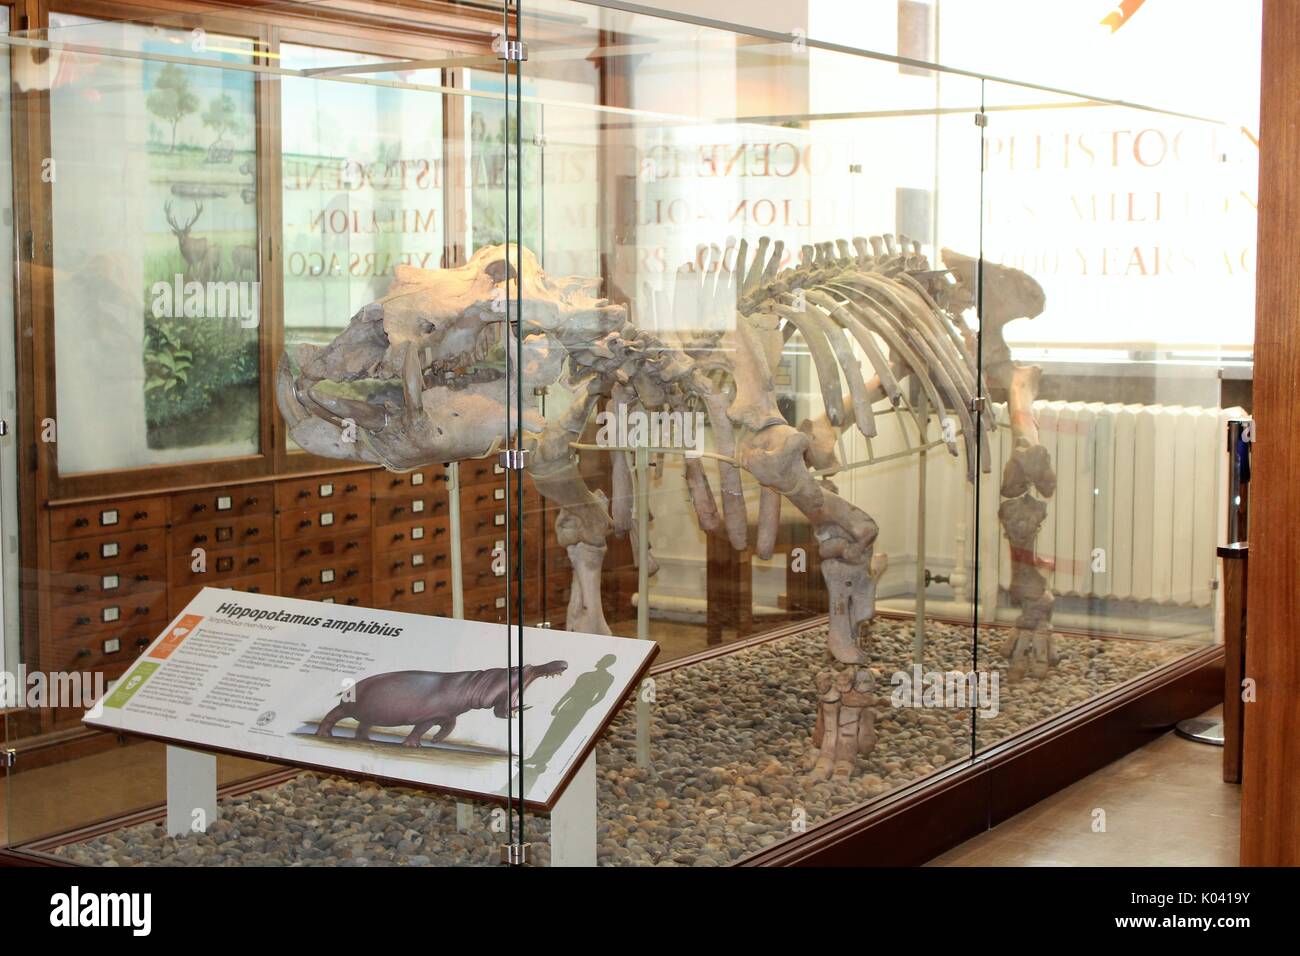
column 869, row 293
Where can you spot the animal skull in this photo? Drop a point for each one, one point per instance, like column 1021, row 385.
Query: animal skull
column 420, row 376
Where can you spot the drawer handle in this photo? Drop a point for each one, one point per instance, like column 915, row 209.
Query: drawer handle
column 351, row 544
column 250, row 501
column 200, row 538
column 398, row 481
column 82, row 621
column 81, row 555
column 200, row 506
column 253, row 561
column 304, row 523
column 303, row 552
column 255, row 590
column 253, row 532
column 139, row 516
column 81, row 587
column 142, row 547
column 399, row 536
column 304, row 582
column 399, row 591
column 143, row 609
column 438, row 531
column 399, row 509
column 81, row 522
column 348, row 489
column 398, row 564
column 142, row 577
column 304, row 493
column 352, row 573
column 352, row 601
column 142, row 642
column 84, row 652
column 350, row 517
column 439, row 584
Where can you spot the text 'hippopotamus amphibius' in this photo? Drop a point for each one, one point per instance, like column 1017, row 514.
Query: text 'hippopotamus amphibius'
column 425, row 698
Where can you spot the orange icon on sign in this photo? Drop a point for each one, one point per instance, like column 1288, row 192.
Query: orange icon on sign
column 174, row 637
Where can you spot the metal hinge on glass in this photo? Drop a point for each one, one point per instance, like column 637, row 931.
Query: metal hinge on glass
column 4, row 428
column 978, row 403
column 981, row 119
column 516, row 854
column 514, row 459
column 513, row 51
column 10, row 757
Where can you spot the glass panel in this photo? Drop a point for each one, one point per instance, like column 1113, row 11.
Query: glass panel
column 1116, row 331
column 683, row 143
column 10, row 632
column 363, row 186
column 155, row 277
column 355, row 164
column 723, row 291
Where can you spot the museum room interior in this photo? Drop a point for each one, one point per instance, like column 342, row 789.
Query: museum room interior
column 692, row 434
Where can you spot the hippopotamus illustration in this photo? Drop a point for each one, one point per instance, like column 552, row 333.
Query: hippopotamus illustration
column 425, row 698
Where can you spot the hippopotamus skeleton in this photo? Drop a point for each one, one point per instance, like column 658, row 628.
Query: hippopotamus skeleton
column 428, row 373
column 423, row 699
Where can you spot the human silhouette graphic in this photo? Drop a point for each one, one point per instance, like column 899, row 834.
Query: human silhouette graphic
column 587, row 691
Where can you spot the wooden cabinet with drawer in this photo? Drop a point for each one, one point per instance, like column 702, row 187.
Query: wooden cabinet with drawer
column 306, row 581
column 477, row 471
column 391, row 510
column 211, row 504
column 348, row 491
column 220, row 565
column 107, row 551
column 479, row 524
column 417, row 559
column 107, row 518
column 359, row 596
column 427, row 593
column 324, row 548
column 433, row 532
column 225, row 533
column 93, row 650
column 324, row 519
column 89, row 616
column 118, row 582
column 264, row 583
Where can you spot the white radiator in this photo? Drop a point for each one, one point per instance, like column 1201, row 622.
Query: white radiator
column 1139, row 487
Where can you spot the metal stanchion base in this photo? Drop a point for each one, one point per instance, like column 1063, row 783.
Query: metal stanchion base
column 1204, row 730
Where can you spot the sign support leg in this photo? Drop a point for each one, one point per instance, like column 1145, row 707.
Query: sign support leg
column 573, row 820
column 191, row 791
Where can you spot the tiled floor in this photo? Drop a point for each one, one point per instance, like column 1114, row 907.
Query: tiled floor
column 1163, row 805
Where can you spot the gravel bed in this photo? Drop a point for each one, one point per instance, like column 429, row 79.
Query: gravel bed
column 729, row 748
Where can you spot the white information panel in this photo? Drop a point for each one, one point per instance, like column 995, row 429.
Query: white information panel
column 402, row 697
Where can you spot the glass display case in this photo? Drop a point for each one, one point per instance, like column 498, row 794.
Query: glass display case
column 886, row 400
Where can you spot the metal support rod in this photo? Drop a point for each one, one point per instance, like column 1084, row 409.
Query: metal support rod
column 918, row 637
column 641, row 461
column 457, row 569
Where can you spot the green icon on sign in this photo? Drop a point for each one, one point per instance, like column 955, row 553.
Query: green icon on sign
column 131, row 683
